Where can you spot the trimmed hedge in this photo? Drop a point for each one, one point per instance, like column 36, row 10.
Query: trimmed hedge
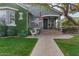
column 8, row 31
column 11, row 31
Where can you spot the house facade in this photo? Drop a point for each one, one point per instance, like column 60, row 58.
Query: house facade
column 46, row 17
column 17, row 19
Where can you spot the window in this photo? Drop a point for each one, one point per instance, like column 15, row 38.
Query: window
column 2, row 16
column 12, row 17
column 7, row 17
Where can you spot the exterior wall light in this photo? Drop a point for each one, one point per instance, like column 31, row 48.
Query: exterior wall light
column 20, row 16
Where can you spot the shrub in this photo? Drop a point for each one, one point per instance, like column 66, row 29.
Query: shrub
column 72, row 30
column 11, row 31
column 67, row 23
column 68, row 27
column 2, row 33
column 7, row 30
column 22, row 33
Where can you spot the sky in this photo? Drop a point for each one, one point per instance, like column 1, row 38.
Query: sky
column 75, row 14
column 72, row 15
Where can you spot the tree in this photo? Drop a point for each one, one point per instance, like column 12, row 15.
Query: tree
column 67, row 8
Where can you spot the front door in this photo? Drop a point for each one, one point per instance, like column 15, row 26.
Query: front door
column 45, row 23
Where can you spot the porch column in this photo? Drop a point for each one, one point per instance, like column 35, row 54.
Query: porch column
column 59, row 24
column 48, row 22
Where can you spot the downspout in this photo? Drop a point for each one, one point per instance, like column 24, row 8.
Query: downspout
column 27, row 27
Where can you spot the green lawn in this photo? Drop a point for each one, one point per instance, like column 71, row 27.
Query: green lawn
column 16, row 46
column 70, row 47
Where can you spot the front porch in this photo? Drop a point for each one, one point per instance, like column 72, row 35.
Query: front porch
column 50, row 32
column 47, row 24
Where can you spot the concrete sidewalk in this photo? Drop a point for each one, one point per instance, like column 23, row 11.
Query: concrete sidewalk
column 64, row 36
column 46, row 46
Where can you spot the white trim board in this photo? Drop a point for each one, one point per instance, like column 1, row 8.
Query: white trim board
column 20, row 4
column 4, row 8
column 49, row 15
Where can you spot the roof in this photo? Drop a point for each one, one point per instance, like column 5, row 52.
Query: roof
column 38, row 10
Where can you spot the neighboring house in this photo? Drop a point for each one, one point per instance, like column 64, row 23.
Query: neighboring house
column 23, row 16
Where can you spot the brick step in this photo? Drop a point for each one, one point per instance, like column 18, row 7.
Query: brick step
column 51, row 32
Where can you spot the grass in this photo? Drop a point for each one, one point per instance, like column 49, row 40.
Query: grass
column 69, row 47
column 16, row 46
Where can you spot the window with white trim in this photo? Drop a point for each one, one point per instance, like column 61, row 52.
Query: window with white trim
column 7, row 17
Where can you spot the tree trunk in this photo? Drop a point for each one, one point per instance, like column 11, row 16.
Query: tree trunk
column 71, row 19
column 66, row 11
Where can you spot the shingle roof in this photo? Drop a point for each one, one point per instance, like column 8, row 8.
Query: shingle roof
column 37, row 11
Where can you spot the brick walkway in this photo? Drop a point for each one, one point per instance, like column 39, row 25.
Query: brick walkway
column 46, row 46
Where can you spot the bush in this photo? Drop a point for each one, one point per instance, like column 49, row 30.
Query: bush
column 68, row 27
column 72, row 30
column 29, row 33
column 67, row 23
column 11, row 31
column 8, row 31
column 2, row 33
column 23, row 33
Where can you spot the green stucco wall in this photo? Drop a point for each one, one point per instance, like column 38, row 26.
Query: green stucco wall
column 21, row 25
